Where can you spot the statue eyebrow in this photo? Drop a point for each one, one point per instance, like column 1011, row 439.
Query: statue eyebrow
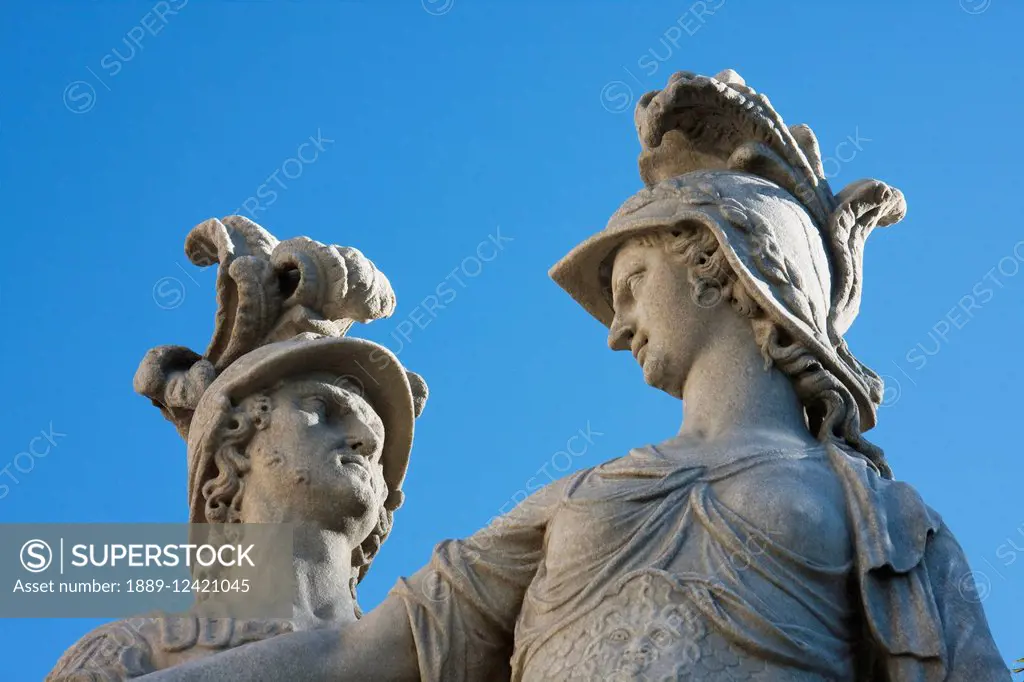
column 320, row 389
column 619, row 282
column 342, row 397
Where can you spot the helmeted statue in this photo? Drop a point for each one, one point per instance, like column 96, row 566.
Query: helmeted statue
column 288, row 421
column 768, row 539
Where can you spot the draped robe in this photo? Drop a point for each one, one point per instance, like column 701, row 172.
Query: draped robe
column 782, row 565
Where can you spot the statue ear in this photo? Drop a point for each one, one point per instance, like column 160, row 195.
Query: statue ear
column 861, row 207
column 419, row 392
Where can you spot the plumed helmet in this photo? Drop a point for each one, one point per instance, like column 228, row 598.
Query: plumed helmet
column 715, row 153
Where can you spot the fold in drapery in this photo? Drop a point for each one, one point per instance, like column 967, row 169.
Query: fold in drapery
column 924, row 622
column 504, row 602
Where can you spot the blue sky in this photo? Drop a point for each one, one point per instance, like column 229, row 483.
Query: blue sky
column 439, row 126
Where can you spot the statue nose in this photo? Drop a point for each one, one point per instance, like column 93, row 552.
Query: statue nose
column 620, row 335
column 360, row 444
column 640, row 646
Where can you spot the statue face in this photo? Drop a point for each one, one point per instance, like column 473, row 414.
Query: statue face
column 318, row 460
column 656, row 315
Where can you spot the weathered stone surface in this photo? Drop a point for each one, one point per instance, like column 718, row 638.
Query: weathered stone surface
column 287, row 420
column 767, row 540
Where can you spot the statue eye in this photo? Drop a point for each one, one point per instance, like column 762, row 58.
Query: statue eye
column 660, row 637
column 634, row 281
column 315, row 404
column 620, row 635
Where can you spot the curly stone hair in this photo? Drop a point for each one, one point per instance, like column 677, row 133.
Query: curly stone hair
column 223, row 493
column 831, row 410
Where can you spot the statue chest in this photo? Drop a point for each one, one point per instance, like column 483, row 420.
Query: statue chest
column 682, row 575
column 793, row 507
column 799, row 505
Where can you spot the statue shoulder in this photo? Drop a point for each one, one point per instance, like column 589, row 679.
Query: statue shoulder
column 114, row 651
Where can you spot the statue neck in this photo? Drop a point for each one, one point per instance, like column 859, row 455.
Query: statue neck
column 322, row 568
column 322, row 564
column 730, row 401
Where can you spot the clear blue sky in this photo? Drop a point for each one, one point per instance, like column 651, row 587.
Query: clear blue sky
column 439, row 124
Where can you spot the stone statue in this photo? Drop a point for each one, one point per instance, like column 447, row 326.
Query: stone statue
column 767, row 540
column 287, row 421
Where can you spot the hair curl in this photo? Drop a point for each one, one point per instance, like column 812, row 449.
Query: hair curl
column 831, row 410
column 223, row 493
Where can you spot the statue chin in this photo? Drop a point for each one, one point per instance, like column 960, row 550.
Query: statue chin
column 348, row 515
column 660, row 375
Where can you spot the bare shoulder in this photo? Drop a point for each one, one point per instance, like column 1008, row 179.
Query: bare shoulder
column 114, row 651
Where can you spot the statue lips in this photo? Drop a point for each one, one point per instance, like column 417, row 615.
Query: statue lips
column 350, row 460
column 639, row 346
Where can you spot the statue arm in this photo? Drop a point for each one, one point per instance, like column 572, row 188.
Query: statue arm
column 971, row 654
column 114, row 651
column 389, row 644
column 463, row 606
column 378, row 647
column 922, row 614
column 955, row 622
column 453, row 620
